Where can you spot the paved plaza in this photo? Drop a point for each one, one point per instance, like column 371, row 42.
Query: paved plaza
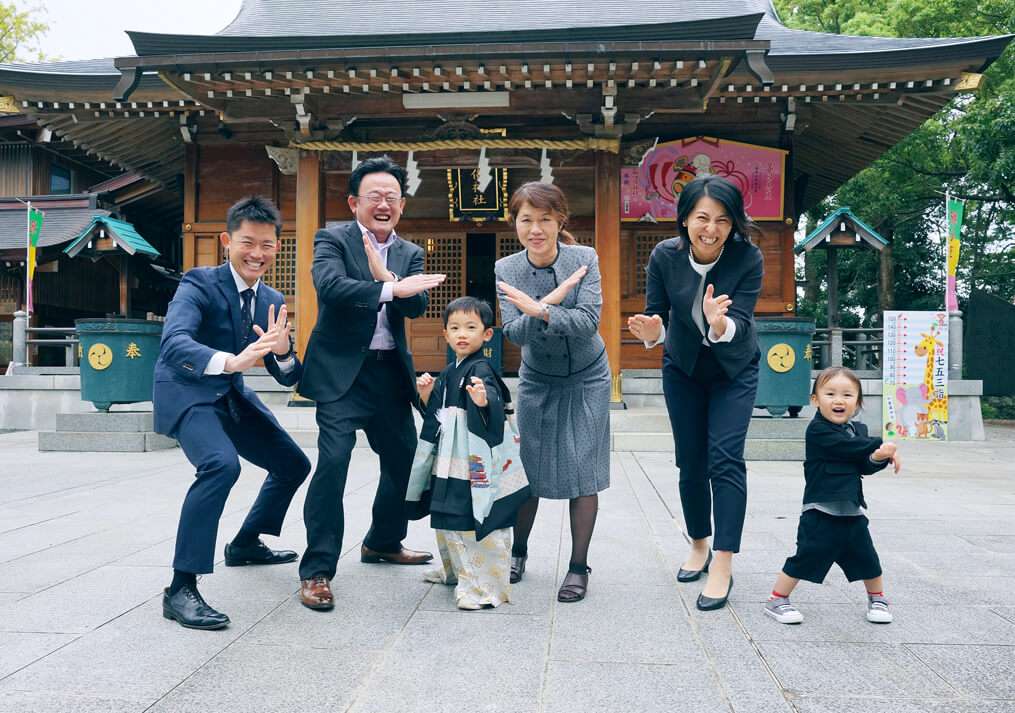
column 86, row 541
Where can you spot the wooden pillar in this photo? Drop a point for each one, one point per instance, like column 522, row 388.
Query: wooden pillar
column 833, row 287
column 309, row 218
column 189, row 206
column 125, row 285
column 607, row 176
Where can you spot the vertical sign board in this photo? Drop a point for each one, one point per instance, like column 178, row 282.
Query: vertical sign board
column 915, row 376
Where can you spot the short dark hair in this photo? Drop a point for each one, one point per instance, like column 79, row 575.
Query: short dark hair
column 470, row 305
column 723, row 191
column 829, row 373
column 256, row 209
column 378, row 164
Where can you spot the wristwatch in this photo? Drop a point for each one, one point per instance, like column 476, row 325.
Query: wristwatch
column 544, row 311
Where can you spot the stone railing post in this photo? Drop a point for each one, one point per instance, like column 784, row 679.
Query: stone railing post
column 20, row 339
column 954, row 345
column 835, row 337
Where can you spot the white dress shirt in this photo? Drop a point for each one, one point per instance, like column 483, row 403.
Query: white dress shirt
column 712, row 338
column 217, row 363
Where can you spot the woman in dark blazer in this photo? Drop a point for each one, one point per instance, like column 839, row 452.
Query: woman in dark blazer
column 700, row 296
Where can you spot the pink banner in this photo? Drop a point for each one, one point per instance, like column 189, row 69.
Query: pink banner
column 650, row 191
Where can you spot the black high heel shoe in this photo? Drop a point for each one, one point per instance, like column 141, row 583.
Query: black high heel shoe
column 693, row 575
column 517, row 568
column 710, row 603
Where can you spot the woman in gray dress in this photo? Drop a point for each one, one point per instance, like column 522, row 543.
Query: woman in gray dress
column 550, row 300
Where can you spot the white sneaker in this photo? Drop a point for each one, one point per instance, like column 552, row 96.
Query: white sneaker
column 877, row 610
column 780, row 609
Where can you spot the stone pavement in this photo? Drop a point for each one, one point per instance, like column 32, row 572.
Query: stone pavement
column 86, row 540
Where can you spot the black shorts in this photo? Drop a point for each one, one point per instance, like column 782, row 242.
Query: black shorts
column 823, row 540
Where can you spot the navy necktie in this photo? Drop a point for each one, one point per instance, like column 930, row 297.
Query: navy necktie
column 246, row 317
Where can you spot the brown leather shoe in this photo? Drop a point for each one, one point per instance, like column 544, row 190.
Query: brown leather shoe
column 315, row 593
column 403, row 556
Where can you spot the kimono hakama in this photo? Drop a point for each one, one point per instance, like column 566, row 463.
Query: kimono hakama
column 467, row 475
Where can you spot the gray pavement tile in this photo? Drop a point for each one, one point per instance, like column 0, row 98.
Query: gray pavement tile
column 8, row 598
column 369, row 612
column 768, row 702
column 975, row 670
column 19, row 650
column 620, row 688
column 85, row 602
column 139, row 656
column 813, row 704
column 915, row 541
column 62, row 702
column 453, row 662
column 246, row 677
column 994, row 543
column 914, row 623
column 852, row 669
column 621, row 623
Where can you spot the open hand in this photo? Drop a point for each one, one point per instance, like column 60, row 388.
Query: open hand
column 522, row 301
column 414, row 284
column 376, row 262
column 561, row 291
column 890, row 452
column 280, row 328
column 645, row 328
column 254, row 352
column 477, row 391
column 715, row 309
column 424, row 385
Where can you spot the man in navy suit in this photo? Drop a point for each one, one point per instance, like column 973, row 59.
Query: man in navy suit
column 222, row 321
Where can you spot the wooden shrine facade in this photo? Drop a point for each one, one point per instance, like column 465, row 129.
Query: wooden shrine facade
column 200, row 114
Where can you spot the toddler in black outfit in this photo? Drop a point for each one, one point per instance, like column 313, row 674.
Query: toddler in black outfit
column 833, row 526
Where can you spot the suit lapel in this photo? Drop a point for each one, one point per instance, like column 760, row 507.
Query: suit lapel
column 359, row 255
column 397, row 258
column 228, row 287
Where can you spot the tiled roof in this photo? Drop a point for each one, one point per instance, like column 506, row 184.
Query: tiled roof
column 60, row 225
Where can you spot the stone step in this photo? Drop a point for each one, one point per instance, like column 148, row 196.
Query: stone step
column 782, row 449
column 100, row 422
column 92, row 442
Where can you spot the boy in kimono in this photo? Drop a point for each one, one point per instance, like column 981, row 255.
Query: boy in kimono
column 467, row 474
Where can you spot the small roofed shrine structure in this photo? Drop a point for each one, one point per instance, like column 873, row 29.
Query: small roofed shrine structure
column 840, row 230
column 618, row 104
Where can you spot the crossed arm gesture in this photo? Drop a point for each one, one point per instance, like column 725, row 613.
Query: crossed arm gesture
column 275, row 341
column 407, row 286
column 648, row 329
column 528, row 305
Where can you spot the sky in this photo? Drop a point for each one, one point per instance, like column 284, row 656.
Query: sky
column 96, row 28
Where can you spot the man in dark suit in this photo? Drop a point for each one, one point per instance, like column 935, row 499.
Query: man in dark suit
column 222, row 321
column 360, row 373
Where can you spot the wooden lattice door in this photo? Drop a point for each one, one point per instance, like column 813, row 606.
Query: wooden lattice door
column 444, row 254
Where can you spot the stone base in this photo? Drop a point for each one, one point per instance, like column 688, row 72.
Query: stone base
column 116, row 432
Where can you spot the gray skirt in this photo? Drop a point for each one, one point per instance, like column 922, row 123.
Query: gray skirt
column 564, row 426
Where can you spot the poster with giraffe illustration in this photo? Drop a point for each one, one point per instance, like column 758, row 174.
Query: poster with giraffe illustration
column 915, row 376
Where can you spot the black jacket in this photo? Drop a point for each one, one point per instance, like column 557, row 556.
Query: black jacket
column 836, row 461
column 348, row 299
column 672, row 285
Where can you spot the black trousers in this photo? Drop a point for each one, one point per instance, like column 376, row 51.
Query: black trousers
column 709, row 414
column 377, row 403
column 214, row 442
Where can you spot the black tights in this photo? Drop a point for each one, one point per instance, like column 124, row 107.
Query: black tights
column 583, row 521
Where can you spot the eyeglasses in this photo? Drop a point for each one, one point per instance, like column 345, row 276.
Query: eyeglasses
column 378, row 198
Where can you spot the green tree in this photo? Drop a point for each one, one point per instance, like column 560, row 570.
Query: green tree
column 968, row 148
column 20, row 31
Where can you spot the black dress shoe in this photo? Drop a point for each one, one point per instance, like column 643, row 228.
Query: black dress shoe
column 259, row 553
column 693, row 575
column 190, row 610
column 710, row 604
column 517, row 569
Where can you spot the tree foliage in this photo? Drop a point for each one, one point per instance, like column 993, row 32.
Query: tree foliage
column 968, row 148
column 20, row 31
